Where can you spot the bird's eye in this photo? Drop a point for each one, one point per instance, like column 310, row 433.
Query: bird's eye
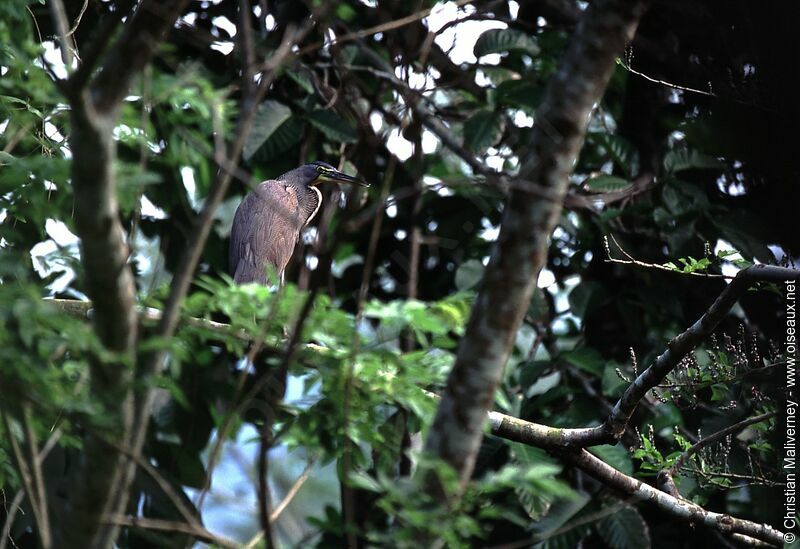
column 320, row 169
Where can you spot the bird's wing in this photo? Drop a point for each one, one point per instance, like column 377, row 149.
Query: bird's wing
column 266, row 227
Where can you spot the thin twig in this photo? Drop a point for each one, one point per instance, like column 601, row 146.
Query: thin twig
column 626, row 65
column 267, row 437
column 753, row 480
column 287, row 499
column 45, row 533
column 150, row 316
column 159, row 479
column 20, row 495
column 633, row 261
column 11, row 515
column 27, row 480
column 59, row 14
column 92, row 54
column 78, row 19
column 348, row 503
column 227, row 422
column 719, row 435
column 170, row 526
column 383, row 27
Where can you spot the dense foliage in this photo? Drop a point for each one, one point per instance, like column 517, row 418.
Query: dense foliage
column 686, row 167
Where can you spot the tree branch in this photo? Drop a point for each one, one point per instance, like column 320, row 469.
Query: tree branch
column 557, row 441
column 101, row 483
column 161, row 525
column 134, row 49
column 678, row 508
column 90, row 56
column 711, row 439
column 679, row 347
column 29, row 484
column 151, row 317
column 521, row 249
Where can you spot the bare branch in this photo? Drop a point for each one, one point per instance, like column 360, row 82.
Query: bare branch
column 162, row 483
column 45, row 533
column 11, row 514
column 655, row 266
column 678, row 508
column 287, row 499
column 91, row 55
column 28, row 483
column 151, row 317
column 77, row 22
column 59, row 15
column 383, row 27
column 247, row 53
column 557, row 441
column 170, row 526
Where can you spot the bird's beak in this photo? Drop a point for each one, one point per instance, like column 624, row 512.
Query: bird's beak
column 339, row 177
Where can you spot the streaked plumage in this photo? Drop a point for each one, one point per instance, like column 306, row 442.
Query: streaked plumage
column 267, row 224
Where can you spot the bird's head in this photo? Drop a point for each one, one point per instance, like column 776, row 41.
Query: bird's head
column 319, row 172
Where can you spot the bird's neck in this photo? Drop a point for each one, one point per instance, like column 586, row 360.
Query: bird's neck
column 310, row 199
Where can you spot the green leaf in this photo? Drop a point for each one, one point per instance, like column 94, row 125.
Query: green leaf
column 345, row 12
column 469, row 274
column 616, row 456
column 544, row 384
column 621, row 151
column 530, row 455
column 585, row 297
column 521, row 93
column 625, row 530
column 504, row 40
column 719, row 392
column 363, row 481
column 530, row 372
column 612, row 384
column 684, row 159
column 333, row 126
column 607, row 183
column 268, row 118
column 23, row 103
column 483, row 129
column 585, row 358
column 301, row 79
column 559, row 514
column 286, row 136
column 746, row 234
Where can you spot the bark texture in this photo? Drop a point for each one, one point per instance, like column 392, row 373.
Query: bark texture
column 100, row 487
column 528, row 221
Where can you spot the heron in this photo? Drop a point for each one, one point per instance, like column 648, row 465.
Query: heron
column 267, row 223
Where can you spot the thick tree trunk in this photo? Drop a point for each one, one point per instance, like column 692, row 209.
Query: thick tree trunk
column 100, row 487
column 528, row 221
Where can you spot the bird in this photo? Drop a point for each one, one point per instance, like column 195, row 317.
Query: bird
column 267, row 223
